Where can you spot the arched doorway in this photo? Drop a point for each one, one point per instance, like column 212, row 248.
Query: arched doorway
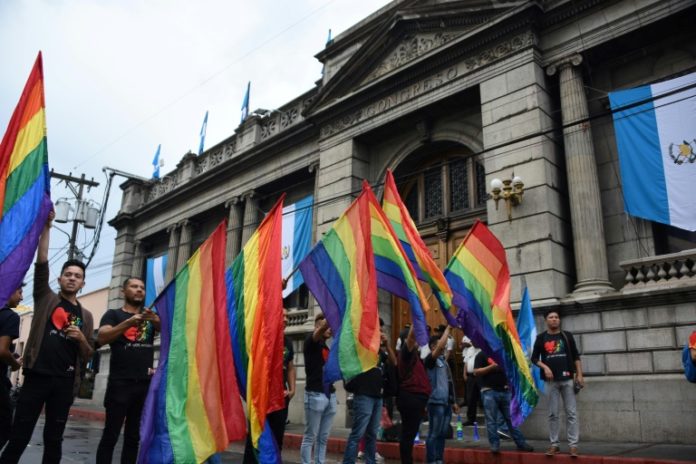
column 443, row 186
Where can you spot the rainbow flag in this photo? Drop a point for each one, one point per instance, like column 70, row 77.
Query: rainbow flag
column 480, row 280
column 357, row 255
column 193, row 408
column 25, row 196
column 255, row 309
column 418, row 254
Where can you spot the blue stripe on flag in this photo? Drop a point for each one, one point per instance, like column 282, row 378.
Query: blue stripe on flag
column 640, row 155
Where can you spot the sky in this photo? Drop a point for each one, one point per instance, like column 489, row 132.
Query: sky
column 122, row 77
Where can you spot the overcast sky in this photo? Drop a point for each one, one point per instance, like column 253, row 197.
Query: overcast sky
column 122, row 77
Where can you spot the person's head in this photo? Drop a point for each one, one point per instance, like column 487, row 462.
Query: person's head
column 72, row 277
column 16, row 297
column 552, row 318
column 432, row 342
column 133, row 291
column 440, row 329
column 320, row 320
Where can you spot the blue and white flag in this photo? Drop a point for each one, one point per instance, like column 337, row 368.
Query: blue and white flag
column 154, row 279
column 297, row 240
column 245, row 102
column 656, row 135
column 204, row 128
column 156, row 163
column 526, row 328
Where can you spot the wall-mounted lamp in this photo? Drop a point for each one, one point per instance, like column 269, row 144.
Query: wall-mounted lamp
column 510, row 190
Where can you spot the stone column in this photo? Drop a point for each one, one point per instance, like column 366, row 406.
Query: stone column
column 138, row 260
column 184, row 244
column 234, row 229
column 583, row 184
column 172, row 252
column 251, row 215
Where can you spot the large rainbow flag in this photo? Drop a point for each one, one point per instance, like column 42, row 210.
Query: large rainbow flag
column 357, row 255
column 480, row 280
column 193, row 408
column 25, row 197
column 418, row 253
column 255, row 308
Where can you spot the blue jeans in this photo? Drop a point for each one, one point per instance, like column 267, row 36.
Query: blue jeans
column 319, row 414
column 439, row 417
column 494, row 403
column 367, row 412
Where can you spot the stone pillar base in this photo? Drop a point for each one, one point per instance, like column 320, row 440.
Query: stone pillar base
column 593, row 286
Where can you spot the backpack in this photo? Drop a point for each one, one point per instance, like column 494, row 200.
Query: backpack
column 689, row 366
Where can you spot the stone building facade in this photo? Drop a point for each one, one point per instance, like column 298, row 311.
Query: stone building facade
column 449, row 95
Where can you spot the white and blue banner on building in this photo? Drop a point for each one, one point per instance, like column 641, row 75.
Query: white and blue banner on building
column 154, row 279
column 297, row 240
column 526, row 329
column 656, row 136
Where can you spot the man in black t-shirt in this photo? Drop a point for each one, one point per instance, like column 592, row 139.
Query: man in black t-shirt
column 319, row 400
column 9, row 331
column 130, row 331
column 557, row 355
column 495, row 396
column 57, row 348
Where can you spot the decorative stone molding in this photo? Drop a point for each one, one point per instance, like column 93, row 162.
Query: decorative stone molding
column 429, row 83
column 500, row 50
column 412, row 47
column 659, row 272
column 163, row 186
column 572, row 60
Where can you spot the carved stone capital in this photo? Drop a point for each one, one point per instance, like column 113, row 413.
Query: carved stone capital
column 172, row 228
column 572, row 60
column 234, row 201
column 250, row 195
column 314, row 167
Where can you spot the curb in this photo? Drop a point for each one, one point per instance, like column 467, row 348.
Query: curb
column 390, row 450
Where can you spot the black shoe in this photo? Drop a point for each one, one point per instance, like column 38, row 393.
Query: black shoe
column 527, row 448
column 495, row 449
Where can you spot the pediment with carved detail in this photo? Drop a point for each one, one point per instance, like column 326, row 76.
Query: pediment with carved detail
column 410, row 48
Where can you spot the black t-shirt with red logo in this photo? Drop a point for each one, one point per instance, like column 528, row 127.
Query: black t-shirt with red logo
column 131, row 353
column 58, row 354
column 315, row 354
column 552, row 350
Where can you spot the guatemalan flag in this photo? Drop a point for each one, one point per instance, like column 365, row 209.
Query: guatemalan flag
column 297, row 240
column 656, row 136
column 154, row 280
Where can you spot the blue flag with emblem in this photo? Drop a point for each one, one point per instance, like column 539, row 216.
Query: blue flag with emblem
column 204, row 128
column 296, row 240
column 526, row 328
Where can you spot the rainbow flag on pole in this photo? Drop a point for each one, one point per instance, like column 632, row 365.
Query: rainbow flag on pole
column 255, row 308
column 480, row 280
column 193, row 408
column 343, row 271
column 25, row 197
column 418, row 254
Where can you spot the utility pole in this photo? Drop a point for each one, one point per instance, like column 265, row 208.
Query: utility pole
column 76, row 186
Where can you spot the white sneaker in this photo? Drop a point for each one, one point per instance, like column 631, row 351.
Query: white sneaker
column 361, row 456
column 379, row 457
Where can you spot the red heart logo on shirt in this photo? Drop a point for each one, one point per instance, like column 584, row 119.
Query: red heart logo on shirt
column 550, row 347
column 60, row 318
column 131, row 334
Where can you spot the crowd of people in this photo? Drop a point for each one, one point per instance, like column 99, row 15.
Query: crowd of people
column 418, row 378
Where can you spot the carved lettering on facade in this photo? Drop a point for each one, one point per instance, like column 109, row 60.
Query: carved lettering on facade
column 409, row 49
column 397, row 98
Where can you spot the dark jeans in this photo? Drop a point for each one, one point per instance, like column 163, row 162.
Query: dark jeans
column 123, row 400
column 495, row 404
column 5, row 412
column 276, row 422
column 411, row 407
column 56, row 393
column 473, row 393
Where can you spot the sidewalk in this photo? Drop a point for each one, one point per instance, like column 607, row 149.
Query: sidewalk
column 476, row 452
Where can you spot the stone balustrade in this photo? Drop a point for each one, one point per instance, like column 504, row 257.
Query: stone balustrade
column 664, row 271
column 297, row 317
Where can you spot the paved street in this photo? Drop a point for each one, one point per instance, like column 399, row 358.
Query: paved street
column 82, row 437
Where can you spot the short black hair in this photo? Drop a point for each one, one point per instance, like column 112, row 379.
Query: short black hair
column 74, row 262
column 551, row 310
column 125, row 282
column 381, row 322
column 433, row 340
